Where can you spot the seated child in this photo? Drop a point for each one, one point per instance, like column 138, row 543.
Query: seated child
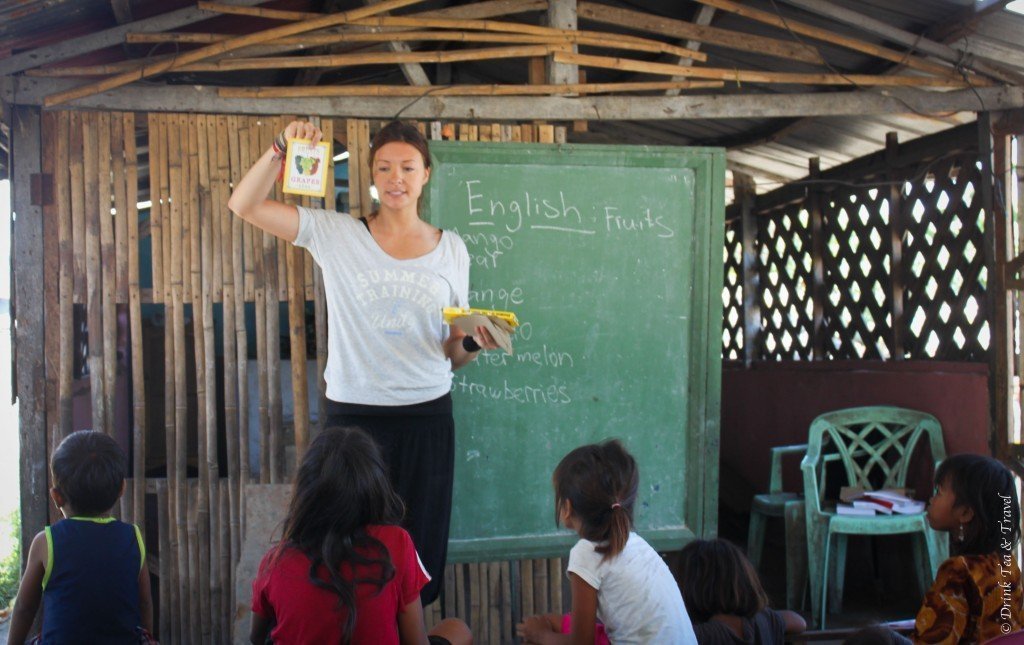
column 976, row 595
column 725, row 599
column 88, row 569
column 344, row 571
column 615, row 574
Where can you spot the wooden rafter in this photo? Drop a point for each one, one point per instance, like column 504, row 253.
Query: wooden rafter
column 106, row 38
column 672, row 28
column 459, row 90
column 223, row 47
column 746, row 76
column 156, row 98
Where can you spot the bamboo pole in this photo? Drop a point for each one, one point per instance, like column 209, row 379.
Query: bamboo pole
column 139, row 420
column 225, row 563
column 227, row 156
column 508, row 624
column 166, row 608
column 77, row 167
column 190, row 182
column 551, row 37
column 834, row 38
column 107, row 280
column 65, row 279
column 161, row 218
column 212, row 258
column 210, row 275
column 188, row 600
column 295, row 257
column 746, row 76
column 460, row 90
column 272, row 301
column 526, row 583
column 147, row 70
column 117, row 158
column 260, row 278
column 238, row 156
column 195, row 620
column 199, row 153
column 555, row 579
column 94, row 303
column 540, row 588
column 219, row 193
column 156, row 194
column 459, row 26
column 356, row 169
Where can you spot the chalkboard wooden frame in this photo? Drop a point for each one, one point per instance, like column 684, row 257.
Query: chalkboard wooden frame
column 526, row 166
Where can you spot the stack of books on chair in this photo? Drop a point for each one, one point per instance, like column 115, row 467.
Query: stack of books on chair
column 857, row 501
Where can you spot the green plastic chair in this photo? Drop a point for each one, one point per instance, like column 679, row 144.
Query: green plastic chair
column 874, row 446
column 789, row 506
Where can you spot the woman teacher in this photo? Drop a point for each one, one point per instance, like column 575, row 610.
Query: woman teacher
column 390, row 355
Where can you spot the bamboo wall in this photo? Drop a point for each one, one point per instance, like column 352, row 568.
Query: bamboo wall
column 189, row 459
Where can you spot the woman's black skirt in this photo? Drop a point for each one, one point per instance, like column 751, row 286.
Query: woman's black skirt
column 418, row 444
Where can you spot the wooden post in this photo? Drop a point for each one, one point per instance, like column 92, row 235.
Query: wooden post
column 94, row 311
column 817, row 255
column 54, row 174
column 897, row 226
column 65, row 273
column 139, row 424
column 994, row 153
column 28, row 277
column 108, row 281
column 562, row 15
column 746, row 193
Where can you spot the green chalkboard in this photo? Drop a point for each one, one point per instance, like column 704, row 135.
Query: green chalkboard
column 612, row 258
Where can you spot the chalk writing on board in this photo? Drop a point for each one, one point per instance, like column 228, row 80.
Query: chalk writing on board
column 500, row 298
column 615, row 222
column 551, row 394
column 544, row 357
column 485, row 248
column 513, row 210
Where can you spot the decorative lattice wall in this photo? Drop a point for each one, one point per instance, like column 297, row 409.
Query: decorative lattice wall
column 903, row 271
column 732, row 296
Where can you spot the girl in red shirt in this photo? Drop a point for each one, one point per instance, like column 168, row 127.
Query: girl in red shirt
column 344, row 571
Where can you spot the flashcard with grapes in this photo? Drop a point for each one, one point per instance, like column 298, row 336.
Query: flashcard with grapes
column 305, row 167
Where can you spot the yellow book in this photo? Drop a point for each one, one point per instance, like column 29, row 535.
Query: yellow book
column 305, row 167
column 500, row 324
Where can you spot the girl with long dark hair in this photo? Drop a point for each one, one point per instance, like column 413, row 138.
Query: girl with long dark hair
column 344, row 571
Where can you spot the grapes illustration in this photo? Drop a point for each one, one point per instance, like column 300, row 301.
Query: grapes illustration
column 299, row 161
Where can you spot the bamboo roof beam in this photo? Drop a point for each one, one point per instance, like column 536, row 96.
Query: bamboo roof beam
column 474, row 11
column 829, row 36
column 747, row 76
column 209, row 51
column 458, row 90
column 583, row 37
column 594, row 39
column 98, row 40
column 678, row 29
column 383, row 58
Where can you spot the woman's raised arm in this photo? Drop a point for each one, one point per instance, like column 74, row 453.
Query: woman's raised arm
column 250, row 197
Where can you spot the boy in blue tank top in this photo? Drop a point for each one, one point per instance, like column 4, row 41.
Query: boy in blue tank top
column 87, row 569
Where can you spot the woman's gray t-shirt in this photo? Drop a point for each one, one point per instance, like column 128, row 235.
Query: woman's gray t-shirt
column 385, row 327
